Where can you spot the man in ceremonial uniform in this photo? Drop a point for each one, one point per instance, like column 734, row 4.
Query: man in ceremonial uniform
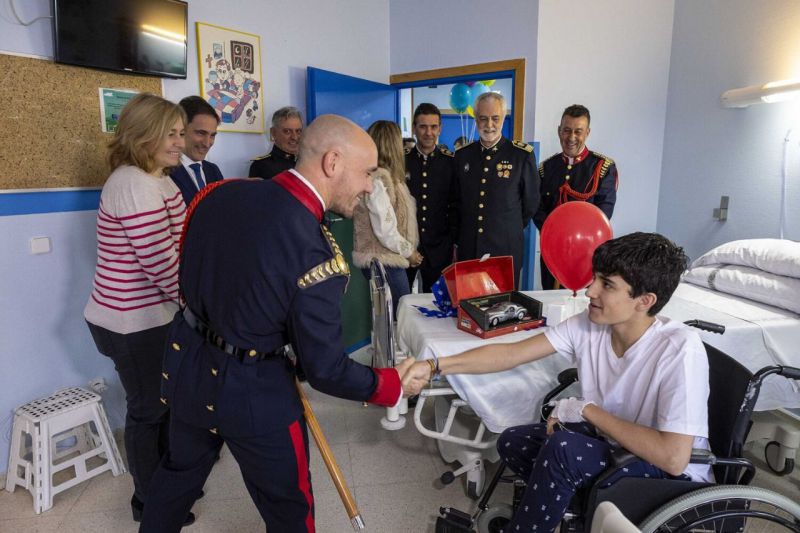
column 575, row 174
column 285, row 133
column 498, row 188
column 260, row 270
column 429, row 171
column 195, row 172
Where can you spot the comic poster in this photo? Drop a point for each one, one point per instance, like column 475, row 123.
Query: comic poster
column 230, row 77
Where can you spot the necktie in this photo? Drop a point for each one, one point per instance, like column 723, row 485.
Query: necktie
column 198, row 175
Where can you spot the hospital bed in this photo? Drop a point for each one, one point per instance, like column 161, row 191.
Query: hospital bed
column 472, row 409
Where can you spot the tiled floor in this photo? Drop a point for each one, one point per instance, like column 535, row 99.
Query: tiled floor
column 393, row 477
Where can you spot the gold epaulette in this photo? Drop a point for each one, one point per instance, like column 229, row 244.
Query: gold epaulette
column 265, row 156
column 445, row 151
column 524, row 146
column 407, row 151
column 335, row 266
column 541, row 170
column 607, row 162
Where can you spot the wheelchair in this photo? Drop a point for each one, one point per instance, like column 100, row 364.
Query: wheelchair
column 664, row 504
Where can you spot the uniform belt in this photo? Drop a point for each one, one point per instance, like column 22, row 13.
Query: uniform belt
column 212, row 337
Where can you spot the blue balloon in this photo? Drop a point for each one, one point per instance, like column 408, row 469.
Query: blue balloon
column 460, row 97
column 478, row 89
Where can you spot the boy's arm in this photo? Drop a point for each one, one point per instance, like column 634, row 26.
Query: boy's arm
column 482, row 360
column 668, row 451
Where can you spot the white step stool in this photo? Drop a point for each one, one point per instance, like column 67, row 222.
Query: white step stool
column 41, row 426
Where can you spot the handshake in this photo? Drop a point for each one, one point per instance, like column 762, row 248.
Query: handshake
column 414, row 375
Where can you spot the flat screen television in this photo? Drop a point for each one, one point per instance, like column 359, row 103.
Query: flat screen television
column 137, row 36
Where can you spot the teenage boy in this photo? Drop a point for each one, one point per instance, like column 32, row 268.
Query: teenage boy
column 644, row 381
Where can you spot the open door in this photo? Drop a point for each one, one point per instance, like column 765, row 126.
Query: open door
column 363, row 102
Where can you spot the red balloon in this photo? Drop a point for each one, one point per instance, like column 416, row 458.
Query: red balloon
column 570, row 235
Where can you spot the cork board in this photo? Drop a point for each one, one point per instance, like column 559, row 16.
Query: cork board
column 50, row 118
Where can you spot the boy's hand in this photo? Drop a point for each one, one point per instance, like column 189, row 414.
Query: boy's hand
column 569, row 410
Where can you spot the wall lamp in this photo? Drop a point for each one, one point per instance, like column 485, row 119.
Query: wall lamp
column 774, row 91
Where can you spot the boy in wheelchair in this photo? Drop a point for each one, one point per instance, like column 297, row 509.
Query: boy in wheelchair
column 644, row 378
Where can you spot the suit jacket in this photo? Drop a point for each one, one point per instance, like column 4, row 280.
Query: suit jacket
column 187, row 184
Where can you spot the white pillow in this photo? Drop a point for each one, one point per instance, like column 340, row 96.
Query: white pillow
column 778, row 256
column 750, row 283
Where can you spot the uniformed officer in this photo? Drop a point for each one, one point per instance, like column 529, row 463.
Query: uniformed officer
column 285, row 133
column 575, row 174
column 498, row 188
column 258, row 271
column 429, row 171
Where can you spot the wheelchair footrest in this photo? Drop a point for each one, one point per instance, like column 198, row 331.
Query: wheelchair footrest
column 453, row 521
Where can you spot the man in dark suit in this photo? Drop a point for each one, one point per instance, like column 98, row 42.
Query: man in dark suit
column 195, row 172
column 498, row 188
column 285, row 133
column 429, row 173
column 577, row 174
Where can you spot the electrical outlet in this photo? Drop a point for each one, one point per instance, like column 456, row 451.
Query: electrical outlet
column 98, row 385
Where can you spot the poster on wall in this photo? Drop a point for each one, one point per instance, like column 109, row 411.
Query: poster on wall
column 229, row 64
column 111, row 103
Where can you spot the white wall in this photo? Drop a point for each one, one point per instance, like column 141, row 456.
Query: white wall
column 44, row 342
column 710, row 151
column 451, row 33
column 613, row 57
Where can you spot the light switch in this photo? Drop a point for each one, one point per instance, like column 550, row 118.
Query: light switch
column 40, row 245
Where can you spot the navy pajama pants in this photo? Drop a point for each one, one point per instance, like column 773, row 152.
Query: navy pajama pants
column 555, row 466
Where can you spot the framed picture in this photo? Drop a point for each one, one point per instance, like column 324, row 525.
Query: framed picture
column 229, row 64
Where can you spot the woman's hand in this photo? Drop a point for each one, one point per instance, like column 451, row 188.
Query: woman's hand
column 415, row 259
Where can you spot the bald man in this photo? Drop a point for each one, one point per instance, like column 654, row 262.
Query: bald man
column 270, row 273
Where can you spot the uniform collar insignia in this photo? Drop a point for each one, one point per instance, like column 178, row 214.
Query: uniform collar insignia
column 301, row 191
column 577, row 159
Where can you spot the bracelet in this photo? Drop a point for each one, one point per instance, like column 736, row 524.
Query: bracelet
column 434, row 370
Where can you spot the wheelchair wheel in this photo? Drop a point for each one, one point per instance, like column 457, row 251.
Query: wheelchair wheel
column 772, row 457
column 495, row 518
column 729, row 508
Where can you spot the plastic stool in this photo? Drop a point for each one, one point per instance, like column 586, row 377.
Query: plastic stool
column 46, row 431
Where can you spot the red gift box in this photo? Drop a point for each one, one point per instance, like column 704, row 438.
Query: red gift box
column 474, row 285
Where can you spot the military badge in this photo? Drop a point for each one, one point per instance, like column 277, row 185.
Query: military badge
column 466, row 167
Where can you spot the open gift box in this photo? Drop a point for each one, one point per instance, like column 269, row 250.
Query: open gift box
column 487, row 304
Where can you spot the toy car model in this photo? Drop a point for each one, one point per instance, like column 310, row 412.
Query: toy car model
column 504, row 311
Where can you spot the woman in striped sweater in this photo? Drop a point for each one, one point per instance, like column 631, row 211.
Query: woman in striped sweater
column 135, row 290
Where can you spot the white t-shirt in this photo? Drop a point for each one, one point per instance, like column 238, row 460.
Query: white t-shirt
column 660, row 382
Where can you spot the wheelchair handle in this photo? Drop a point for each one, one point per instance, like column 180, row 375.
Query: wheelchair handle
column 790, row 372
column 706, row 326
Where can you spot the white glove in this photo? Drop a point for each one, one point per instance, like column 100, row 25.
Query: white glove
column 569, row 410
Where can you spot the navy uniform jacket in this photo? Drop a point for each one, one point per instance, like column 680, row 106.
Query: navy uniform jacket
column 432, row 184
column 187, row 184
column 259, row 269
column 498, row 195
column 270, row 165
column 563, row 181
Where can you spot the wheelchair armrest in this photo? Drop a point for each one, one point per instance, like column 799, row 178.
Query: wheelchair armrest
column 568, row 376
column 620, row 457
column 565, row 379
column 702, row 457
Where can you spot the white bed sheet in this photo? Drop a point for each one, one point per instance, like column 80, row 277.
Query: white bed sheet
column 502, row 399
column 757, row 335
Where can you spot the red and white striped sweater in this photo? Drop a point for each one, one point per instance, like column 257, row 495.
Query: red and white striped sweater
column 138, row 228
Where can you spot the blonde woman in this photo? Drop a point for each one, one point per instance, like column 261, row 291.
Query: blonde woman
column 135, row 291
column 385, row 223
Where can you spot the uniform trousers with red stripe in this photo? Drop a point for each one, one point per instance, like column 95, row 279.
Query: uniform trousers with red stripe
column 274, row 466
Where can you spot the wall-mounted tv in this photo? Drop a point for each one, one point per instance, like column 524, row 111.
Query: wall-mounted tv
column 137, row 36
